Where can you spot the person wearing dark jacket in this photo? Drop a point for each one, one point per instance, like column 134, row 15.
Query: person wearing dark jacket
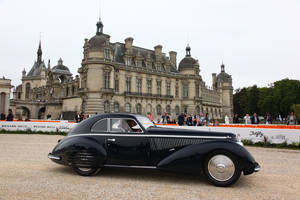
column 254, row 119
column 236, row 119
column 10, row 116
column 2, row 117
column 181, row 119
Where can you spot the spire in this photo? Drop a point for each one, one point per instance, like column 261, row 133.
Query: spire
column 222, row 67
column 39, row 53
column 188, row 50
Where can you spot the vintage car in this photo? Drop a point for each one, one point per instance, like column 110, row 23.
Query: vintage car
column 133, row 141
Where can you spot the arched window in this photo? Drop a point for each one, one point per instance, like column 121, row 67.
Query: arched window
column 168, row 109
column 158, row 109
column 116, row 107
column 106, row 107
column 139, row 108
column 127, row 107
column 177, row 110
column 185, row 109
column 149, row 108
column 27, row 90
column 185, row 90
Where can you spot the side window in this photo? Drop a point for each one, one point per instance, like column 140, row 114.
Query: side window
column 100, row 126
column 124, row 126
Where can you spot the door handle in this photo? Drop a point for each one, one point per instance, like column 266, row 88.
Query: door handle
column 111, row 139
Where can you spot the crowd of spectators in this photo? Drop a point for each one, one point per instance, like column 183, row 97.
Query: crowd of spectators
column 205, row 120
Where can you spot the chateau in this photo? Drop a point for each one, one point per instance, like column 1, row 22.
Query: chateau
column 121, row 77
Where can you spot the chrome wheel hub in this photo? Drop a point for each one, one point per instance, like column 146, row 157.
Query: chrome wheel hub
column 221, row 167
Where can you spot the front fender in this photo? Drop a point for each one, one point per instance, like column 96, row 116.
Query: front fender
column 193, row 156
column 80, row 150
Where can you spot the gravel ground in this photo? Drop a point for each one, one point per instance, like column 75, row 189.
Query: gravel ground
column 27, row 173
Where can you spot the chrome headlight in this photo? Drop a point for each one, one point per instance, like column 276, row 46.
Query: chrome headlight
column 239, row 140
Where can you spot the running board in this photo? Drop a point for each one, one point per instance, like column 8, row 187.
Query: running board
column 130, row 166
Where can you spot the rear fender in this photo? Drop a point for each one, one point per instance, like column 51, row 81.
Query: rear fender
column 193, row 156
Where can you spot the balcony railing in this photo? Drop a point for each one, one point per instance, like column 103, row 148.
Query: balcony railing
column 148, row 95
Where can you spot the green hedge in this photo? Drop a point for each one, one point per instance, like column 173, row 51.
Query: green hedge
column 285, row 145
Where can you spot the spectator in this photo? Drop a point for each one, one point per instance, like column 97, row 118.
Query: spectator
column 202, row 119
column 77, row 117
column 226, row 119
column 254, row 119
column 49, row 116
column 207, row 119
column 189, row 120
column 181, row 119
column 236, row 119
column 10, row 116
column 268, row 118
column 247, row 119
column 291, row 119
column 216, row 123
column 195, row 117
column 165, row 118
column 81, row 117
column 150, row 116
column 2, row 116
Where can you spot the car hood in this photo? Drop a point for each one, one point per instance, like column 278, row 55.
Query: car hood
column 187, row 132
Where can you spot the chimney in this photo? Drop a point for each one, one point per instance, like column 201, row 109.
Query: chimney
column 214, row 80
column 173, row 55
column 128, row 42
column 157, row 50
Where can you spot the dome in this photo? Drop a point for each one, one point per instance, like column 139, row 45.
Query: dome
column 223, row 76
column 60, row 68
column 188, row 62
column 98, row 41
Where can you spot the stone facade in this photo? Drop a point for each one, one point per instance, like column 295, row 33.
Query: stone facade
column 121, row 77
column 5, row 87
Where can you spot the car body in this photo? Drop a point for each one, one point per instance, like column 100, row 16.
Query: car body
column 128, row 140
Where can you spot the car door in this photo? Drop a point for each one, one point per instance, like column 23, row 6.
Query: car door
column 126, row 146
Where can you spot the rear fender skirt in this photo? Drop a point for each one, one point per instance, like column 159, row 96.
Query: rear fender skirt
column 195, row 154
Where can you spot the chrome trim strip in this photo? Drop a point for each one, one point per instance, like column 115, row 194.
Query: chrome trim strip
column 53, row 157
column 145, row 135
column 132, row 166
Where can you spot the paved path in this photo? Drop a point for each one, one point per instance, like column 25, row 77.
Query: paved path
column 27, row 173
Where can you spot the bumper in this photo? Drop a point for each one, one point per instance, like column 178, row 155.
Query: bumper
column 257, row 167
column 53, row 157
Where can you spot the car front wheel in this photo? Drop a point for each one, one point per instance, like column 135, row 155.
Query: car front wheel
column 222, row 168
column 86, row 171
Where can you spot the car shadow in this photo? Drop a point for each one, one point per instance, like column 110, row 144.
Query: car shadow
column 166, row 177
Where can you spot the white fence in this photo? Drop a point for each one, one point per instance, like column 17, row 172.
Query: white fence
column 275, row 136
column 37, row 126
column 255, row 134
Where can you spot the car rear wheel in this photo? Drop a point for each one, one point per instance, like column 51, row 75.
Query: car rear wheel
column 222, row 168
column 86, row 171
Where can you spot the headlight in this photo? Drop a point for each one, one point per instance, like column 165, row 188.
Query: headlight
column 239, row 140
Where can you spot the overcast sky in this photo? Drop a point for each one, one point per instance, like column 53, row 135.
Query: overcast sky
column 258, row 40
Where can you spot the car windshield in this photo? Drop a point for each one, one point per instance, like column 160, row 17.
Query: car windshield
column 146, row 123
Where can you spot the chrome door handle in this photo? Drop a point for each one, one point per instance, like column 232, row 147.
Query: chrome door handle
column 111, row 139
